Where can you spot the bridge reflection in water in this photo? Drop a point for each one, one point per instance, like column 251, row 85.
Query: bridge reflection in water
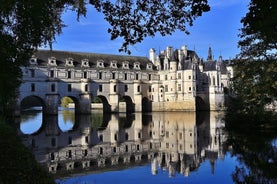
column 175, row 141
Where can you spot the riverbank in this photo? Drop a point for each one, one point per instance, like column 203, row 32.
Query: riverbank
column 18, row 165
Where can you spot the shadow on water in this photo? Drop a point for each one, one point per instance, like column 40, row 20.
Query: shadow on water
column 253, row 139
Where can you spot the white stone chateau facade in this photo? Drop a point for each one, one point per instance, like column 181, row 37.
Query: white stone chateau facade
column 172, row 80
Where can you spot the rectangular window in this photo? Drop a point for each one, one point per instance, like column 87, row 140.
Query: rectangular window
column 86, row 139
column 53, row 142
column 137, row 76
column 167, row 134
column 179, row 87
column 189, row 77
column 125, row 76
column 69, row 88
column 165, row 77
column 86, row 88
column 149, row 88
column 32, row 73
column 100, row 75
column 100, row 88
column 149, row 77
column 85, row 75
column 69, row 74
column 138, row 89
column 51, row 73
column 33, row 87
column 69, row 140
column 166, row 88
column 113, row 75
column 189, row 88
column 179, row 76
column 53, row 87
column 114, row 88
column 126, row 88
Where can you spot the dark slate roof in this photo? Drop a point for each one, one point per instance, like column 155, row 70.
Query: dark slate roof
column 211, row 66
column 223, row 68
column 61, row 56
column 187, row 65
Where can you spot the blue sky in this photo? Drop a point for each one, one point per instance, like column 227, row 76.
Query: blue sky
column 218, row 29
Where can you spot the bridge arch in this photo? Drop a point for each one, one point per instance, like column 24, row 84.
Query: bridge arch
column 129, row 104
column 31, row 101
column 106, row 106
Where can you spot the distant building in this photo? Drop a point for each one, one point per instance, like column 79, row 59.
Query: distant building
column 172, row 80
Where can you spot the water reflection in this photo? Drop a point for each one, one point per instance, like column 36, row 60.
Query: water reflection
column 254, row 145
column 175, row 142
column 31, row 121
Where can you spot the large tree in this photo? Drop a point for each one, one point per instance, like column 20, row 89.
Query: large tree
column 27, row 24
column 255, row 78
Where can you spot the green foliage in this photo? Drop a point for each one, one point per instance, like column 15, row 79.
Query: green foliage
column 259, row 32
column 256, row 68
column 96, row 100
column 65, row 101
column 18, row 165
column 255, row 84
column 134, row 20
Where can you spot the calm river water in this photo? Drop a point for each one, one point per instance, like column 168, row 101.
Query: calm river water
column 172, row 147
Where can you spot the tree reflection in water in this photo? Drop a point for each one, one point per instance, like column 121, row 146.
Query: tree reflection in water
column 253, row 142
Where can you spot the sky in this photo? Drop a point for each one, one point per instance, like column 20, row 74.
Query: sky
column 218, row 29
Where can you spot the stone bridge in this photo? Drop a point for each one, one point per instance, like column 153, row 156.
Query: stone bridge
column 113, row 79
column 139, row 83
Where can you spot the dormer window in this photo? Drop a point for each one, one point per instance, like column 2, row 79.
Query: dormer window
column 33, row 60
column 113, row 64
column 69, row 62
column 100, row 63
column 52, row 61
column 137, row 66
column 125, row 65
column 149, row 66
column 85, row 63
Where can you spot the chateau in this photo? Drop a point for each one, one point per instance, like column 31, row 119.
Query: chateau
column 172, row 80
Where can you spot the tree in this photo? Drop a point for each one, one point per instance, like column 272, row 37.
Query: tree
column 26, row 25
column 133, row 20
column 256, row 68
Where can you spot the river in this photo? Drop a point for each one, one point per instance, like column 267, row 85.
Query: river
column 158, row 147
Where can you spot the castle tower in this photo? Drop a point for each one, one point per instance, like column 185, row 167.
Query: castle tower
column 185, row 50
column 210, row 55
column 152, row 55
column 169, row 52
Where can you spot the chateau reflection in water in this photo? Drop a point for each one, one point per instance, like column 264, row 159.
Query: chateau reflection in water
column 174, row 141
